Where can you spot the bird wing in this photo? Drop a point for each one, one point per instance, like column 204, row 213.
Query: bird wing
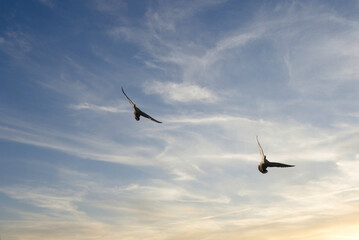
column 133, row 105
column 149, row 117
column 282, row 165
column 260, row 150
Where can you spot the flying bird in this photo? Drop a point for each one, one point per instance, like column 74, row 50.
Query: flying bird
column 262, row 167
column 137, row 112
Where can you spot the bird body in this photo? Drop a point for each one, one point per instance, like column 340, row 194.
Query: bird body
column 264, row 164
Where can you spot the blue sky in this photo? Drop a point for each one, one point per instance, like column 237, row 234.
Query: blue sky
column 76, row 165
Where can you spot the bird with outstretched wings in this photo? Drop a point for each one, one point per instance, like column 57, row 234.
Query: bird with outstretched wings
column 264, row 164
column 137, row 112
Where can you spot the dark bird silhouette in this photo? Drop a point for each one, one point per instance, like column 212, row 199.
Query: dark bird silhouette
column 137, row 112
column 262, row 167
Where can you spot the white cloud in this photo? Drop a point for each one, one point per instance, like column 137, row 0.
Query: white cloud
column 84, row 146
column 320, row 49
column 168, row 15
column 183, row 176
column 180, row 92
column 173, row 193
column 93, row 107
column 16, row 44
column 48, row 198
column 231, row 42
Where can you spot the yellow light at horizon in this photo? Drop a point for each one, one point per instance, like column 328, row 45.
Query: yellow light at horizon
column 347, row 237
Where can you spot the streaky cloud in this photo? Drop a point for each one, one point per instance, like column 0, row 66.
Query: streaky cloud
column 93, row 107
column 180, row 92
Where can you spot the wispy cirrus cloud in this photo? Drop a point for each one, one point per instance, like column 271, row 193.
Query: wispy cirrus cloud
column 195, row 61
column 93, row 107
column 167, row 16
column 16, row 44
column 48, row 198
column 84, row 146
column 283, row 71
column 172, row 193
column 319, row 56
column 180, row 92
